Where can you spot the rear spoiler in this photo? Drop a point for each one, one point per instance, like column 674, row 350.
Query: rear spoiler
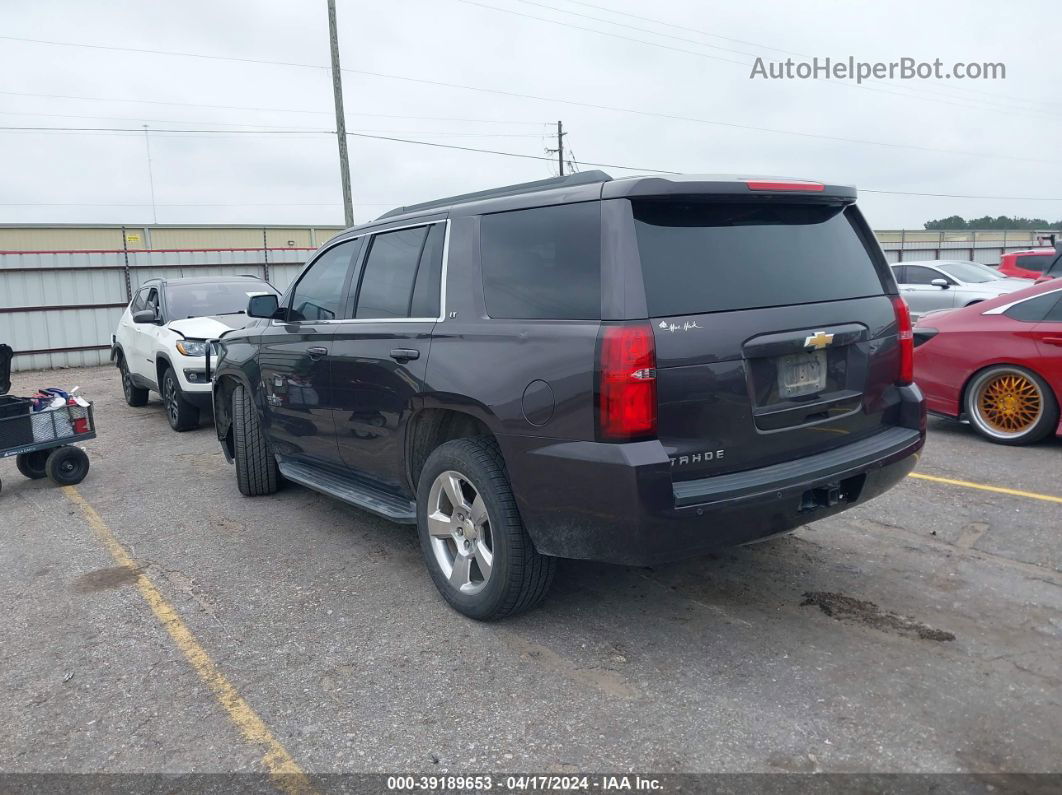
column 731, row 188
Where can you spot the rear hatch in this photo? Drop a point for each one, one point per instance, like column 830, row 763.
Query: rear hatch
column 775, row 338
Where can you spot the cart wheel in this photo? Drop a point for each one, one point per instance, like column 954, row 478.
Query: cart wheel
column 67, row 465
column 32, row 464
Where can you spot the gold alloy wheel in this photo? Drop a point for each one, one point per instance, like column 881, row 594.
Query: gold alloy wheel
column 1009, row 403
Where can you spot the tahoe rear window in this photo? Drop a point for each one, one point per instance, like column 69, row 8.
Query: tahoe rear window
column 713, row 257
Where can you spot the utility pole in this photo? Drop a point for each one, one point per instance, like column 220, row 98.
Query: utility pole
column 151, row 177
column 560, row 147
column 341, row 124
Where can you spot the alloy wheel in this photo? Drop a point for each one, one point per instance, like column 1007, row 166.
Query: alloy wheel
column 172, row 409
column 127, row 384
column 460, row 532
column 1007, row 404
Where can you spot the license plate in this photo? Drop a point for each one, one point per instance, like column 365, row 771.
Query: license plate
column 801, row 374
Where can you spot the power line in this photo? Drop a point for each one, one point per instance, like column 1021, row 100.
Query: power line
column 686, row 28
column 147, row 51
column 259, row 109
column 844, row 84
column 505, row 154
column 525, row 157
column 676, row 117
column 301, row 131
column 694, row 119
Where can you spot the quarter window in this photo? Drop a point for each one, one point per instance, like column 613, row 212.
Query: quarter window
column 319, row 293
column 1033, row 310
column 543, row 263
column 425, row 302
column 1054, row 314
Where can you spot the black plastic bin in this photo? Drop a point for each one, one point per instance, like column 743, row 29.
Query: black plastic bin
column 16, row 424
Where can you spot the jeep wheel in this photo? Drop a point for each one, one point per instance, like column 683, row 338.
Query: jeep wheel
column 1011, row 405
column 134, row 395
column 476, row 548
column 181, row 414
column 256, row 466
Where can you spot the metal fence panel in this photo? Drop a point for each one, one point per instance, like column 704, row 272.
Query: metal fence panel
column 59, row 308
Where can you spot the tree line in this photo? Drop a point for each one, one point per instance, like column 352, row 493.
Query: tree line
column 988, row 222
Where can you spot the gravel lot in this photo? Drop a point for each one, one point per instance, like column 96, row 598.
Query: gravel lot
column 920, row 632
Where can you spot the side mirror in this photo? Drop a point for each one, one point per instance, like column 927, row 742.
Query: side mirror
column 144, row 316
column 262, row 305
column 941, row 283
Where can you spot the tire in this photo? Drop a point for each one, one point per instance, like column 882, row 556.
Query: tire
column 181, row 414
column 67, row 466
column 1008, row 404
column 134, row 395
column 256, row 466
column 32, row 465
column 456, row 542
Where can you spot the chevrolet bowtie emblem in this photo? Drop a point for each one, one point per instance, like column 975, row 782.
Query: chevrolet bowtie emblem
column 818, row 340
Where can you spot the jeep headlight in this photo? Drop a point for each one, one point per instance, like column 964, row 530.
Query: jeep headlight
column 192, row 347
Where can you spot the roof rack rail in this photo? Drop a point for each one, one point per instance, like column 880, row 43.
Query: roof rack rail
column 581, row 178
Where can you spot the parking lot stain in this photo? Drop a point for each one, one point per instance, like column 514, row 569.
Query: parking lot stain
column 843, row 608
column 105, row 579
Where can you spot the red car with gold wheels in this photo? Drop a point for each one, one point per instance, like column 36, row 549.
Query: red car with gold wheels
column 997, row 364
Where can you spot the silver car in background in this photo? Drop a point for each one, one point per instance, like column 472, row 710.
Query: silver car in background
column 949, row 284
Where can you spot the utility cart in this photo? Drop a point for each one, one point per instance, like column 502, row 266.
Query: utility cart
column 42, row 442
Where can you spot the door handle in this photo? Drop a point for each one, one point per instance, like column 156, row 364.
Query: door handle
column 316, row 352
column 1053, row 340
column 404, row 354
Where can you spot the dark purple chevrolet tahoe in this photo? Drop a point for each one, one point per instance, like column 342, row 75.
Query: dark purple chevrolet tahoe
column 623, row 370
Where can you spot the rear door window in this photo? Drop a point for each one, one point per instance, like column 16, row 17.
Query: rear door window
column 390, row 272
column 715, row 257
column 543, row 263
column 916, row 274
column 1033, row 262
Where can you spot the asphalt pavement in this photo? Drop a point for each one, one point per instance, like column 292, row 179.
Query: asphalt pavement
column 920, row 632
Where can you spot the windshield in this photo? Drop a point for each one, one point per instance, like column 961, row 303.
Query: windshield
column 970, row 272
column 710, row 257
column 202, row 299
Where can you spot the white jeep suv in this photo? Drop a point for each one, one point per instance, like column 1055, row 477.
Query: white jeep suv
column 160, row 344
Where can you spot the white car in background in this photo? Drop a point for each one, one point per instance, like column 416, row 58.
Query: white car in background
column 160, row 343
column 933, row 285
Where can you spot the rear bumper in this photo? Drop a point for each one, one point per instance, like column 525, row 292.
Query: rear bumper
column 617, row 503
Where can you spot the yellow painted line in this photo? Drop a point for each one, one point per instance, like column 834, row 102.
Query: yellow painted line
column 1032, row 495
column 281, row 766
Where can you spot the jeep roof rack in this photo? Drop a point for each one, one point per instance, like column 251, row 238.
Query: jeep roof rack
column 581, row 178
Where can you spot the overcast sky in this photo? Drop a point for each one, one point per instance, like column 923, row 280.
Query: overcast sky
column 999, row 138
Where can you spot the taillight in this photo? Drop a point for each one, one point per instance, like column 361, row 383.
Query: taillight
column 905, row 337
column 627, row 383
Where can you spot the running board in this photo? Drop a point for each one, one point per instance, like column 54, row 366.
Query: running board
column 351, row 490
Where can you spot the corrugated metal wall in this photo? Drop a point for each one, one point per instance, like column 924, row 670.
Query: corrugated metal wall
column 59, row 309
